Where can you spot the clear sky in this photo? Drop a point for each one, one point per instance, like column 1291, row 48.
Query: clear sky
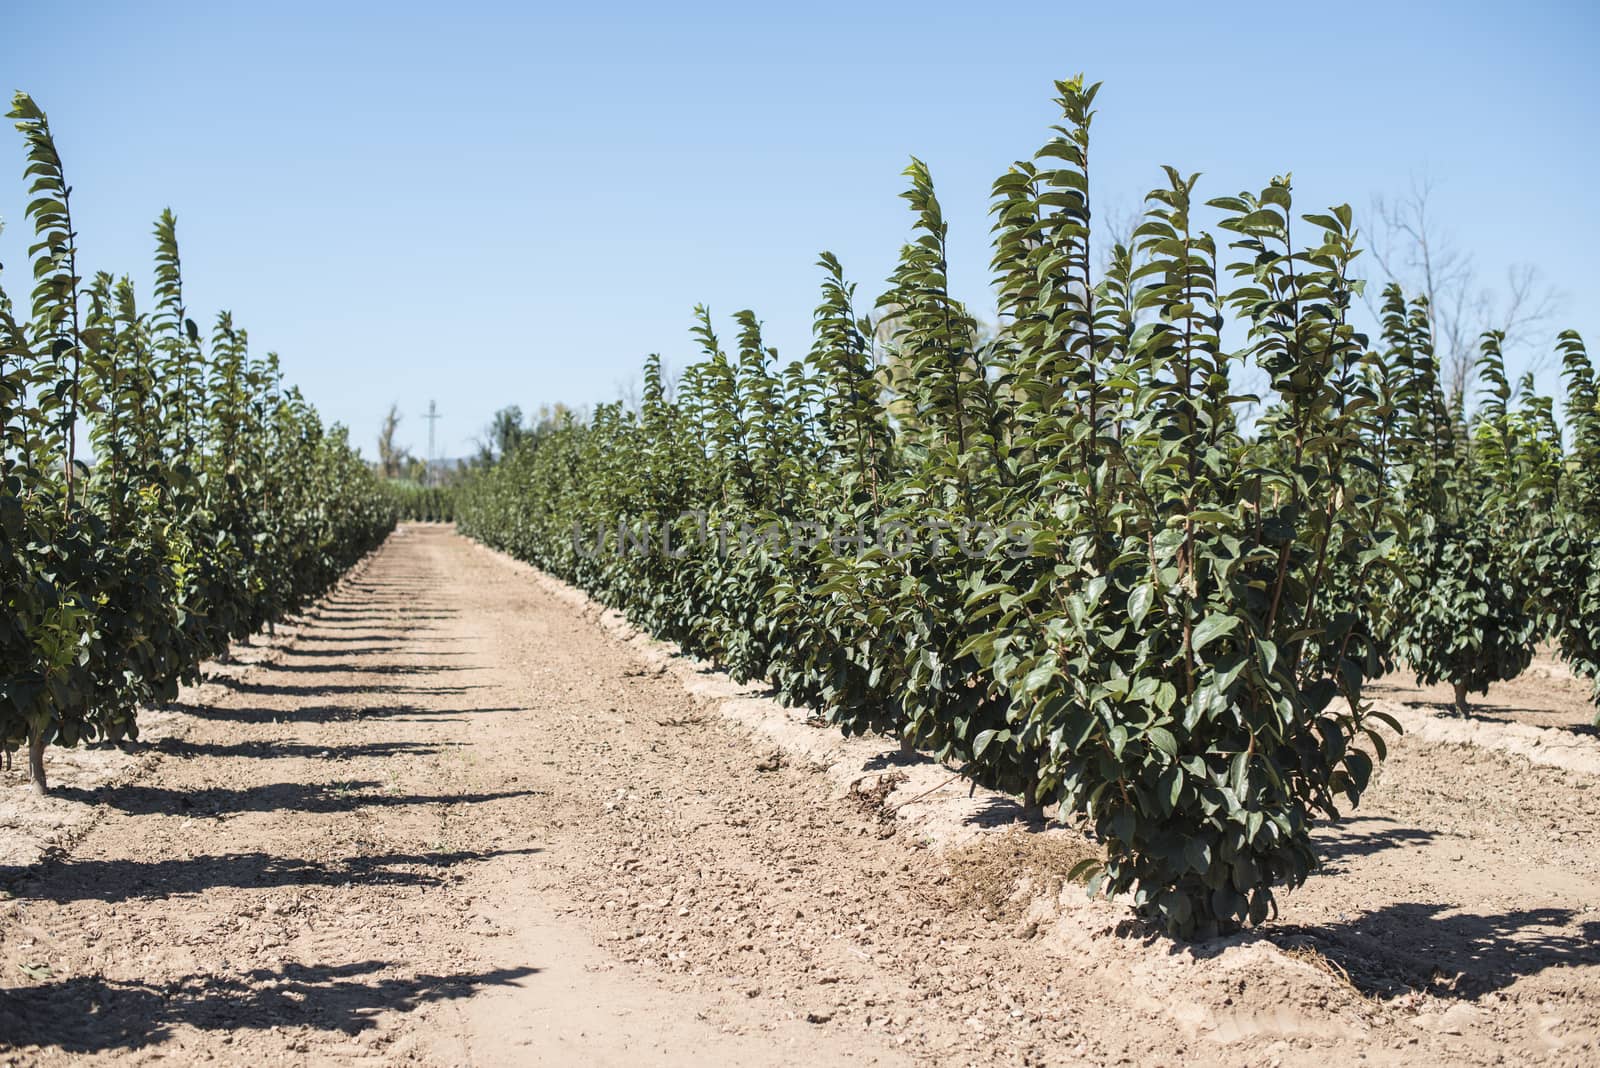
column 487, row 204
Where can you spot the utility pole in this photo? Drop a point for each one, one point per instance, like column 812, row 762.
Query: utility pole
column 432, row 417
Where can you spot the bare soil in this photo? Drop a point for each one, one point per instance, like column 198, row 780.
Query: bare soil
column 1546, row 695
column 455, row 818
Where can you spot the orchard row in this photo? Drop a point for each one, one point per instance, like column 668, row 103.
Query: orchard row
column 162, row 494
column 1178, row 659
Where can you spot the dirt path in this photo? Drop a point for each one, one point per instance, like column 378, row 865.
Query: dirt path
column 454, row 821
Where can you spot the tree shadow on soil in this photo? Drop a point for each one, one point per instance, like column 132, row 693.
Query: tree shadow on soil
column 93, row 1014
column 357, row 597
column 285, row 689
column 368, row 650
column 1503, row 714
column 381, row 615
column 898, row 758
column 330, row 713
column 66, row 879
column 391, row 626
column 1414, row 946
column 140, row 800
column 1004, row 812
column 370, row 636
column 365, row 669
column 274, row 750
column 1360, row 836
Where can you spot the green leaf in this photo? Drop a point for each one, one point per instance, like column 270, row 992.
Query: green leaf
column 1212, row 627
column 1139, row 602
column 1163, row 740
column 988, row 737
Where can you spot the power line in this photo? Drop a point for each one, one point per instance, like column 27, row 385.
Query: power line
column 432, row 417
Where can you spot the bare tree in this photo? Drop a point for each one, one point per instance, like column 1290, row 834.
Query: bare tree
column 669, row 383
column 1413, row 249
column 391, row 457
column 1115, row 226
column 628, row 393
column 502, row 434
column 551, row 417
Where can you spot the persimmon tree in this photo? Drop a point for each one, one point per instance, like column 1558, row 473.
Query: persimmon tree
column 216, row 502
column 1053, row 553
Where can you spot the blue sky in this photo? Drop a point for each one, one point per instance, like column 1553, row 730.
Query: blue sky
column 486, row 204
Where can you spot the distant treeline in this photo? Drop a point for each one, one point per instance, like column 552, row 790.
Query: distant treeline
column 428, row 504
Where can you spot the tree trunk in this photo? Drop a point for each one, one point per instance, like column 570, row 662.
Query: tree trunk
column 36, row 761
column 1461, row 698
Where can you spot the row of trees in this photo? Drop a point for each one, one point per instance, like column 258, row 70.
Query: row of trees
column 1497, row 549
column 215, row 501
column 424, row 495
column 1055, row 555
column 423, row 504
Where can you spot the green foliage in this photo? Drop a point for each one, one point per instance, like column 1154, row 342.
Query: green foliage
column 424, row 504
column 1052, row 555
column 217, row 502
column 1467, row 615
column 1564, row 544
column 1185, row 668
